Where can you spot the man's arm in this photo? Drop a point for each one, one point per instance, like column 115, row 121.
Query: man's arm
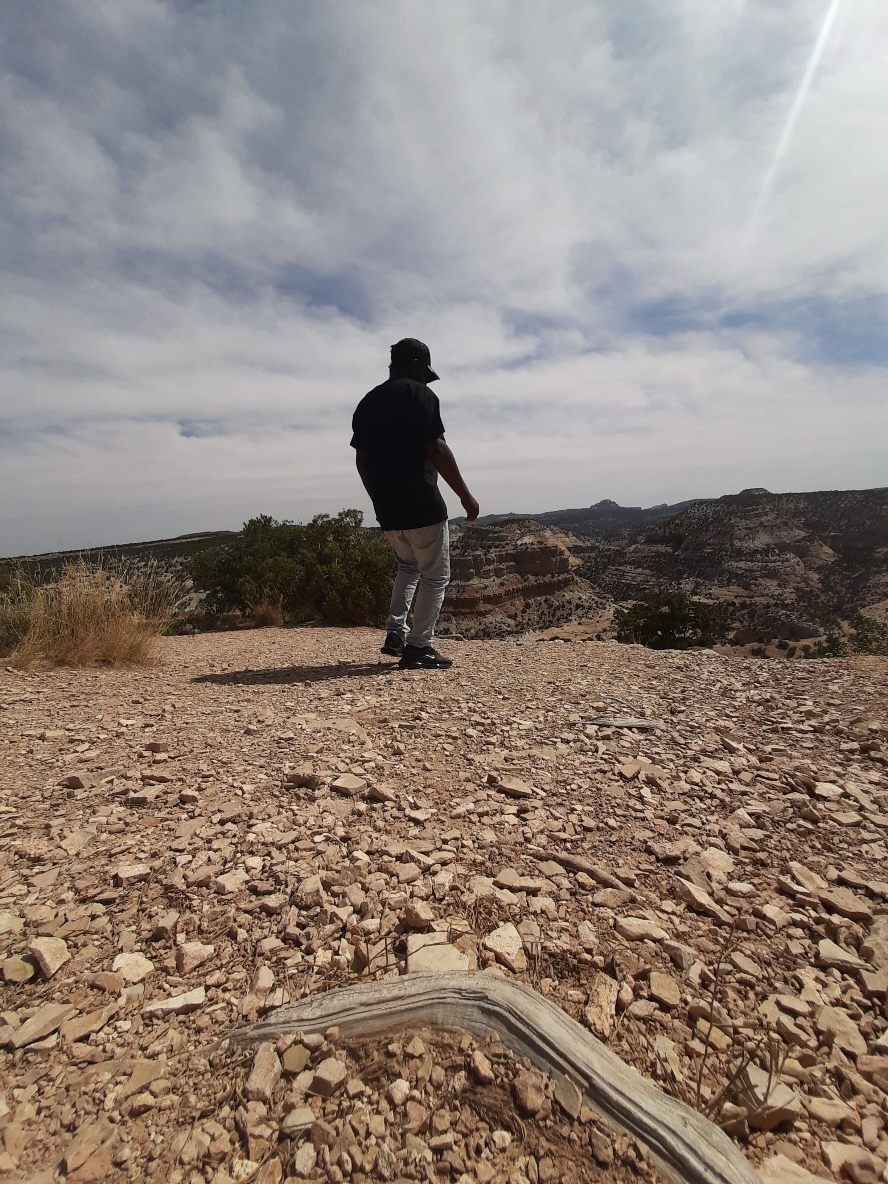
column 444, row 461
column 361, row 464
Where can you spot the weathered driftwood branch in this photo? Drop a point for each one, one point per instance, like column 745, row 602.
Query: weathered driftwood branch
column 686, row 1147
column 627, row 721
column 576, row 864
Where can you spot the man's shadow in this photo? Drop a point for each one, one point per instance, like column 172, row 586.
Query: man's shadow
column 294, row 674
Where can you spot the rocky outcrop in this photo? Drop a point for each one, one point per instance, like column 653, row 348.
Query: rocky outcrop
column 495, row 565
column 790, row 565
column 510, row 577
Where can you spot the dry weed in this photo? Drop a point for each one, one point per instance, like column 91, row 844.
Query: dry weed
column 89, row 614
column 15, row 597
column 719, row 1077
column 268, row 613
column 481, row 913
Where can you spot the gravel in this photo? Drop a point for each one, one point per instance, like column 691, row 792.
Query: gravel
column 271, row 813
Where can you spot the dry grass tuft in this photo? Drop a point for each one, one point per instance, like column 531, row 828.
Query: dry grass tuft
column 268, row 613
column 89, row 614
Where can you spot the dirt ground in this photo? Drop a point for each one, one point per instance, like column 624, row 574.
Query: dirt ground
column 269, row 813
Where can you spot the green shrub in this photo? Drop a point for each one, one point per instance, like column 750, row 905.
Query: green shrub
column 664, row 621
column 869, row 636
column 862, row 635
column 330, row 569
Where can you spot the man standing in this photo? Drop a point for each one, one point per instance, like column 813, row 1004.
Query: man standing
column 399, row 447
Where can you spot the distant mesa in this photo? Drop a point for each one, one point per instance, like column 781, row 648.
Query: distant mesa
column 606, row 519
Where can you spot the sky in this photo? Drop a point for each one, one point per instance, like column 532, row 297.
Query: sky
column 216, row 217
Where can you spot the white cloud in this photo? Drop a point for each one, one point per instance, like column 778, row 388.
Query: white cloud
column 216, row 220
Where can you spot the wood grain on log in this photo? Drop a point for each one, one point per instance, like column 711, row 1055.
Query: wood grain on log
column 576, row 864
column 685, row 1146
column 627, row 721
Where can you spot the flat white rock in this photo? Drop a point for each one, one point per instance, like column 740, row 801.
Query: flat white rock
column 132, row 967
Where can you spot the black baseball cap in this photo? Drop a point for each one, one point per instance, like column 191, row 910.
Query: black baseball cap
column 409, row 349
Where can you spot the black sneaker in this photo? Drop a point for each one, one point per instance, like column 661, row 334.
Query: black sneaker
column 393, row 644
column 423, row 658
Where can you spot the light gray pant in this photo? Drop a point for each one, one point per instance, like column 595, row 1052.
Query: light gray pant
column 423, row 556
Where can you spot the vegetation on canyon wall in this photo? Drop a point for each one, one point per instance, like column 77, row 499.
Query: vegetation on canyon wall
column 664, row 621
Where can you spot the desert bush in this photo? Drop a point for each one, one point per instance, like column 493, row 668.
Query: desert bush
column 862, row 635
column 330, row 569
column 88, row 614
column 267, row 614
column 666, row 621
column 868, row 636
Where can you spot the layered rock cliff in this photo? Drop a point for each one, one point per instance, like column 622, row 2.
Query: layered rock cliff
column 790, row 565
column 511, row 577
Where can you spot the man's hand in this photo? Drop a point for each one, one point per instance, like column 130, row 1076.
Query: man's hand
column 471, row 508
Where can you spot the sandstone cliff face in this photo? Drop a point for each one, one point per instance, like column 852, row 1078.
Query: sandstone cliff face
column 510, row 577
column 807, row 558
column 493, row 565
column 789, row 566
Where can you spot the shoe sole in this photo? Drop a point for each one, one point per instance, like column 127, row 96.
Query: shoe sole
column 424, row 665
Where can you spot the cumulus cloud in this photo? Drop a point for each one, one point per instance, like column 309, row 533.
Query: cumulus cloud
column 216, row 218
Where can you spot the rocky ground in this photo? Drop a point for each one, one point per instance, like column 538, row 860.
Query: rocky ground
column 271, row 813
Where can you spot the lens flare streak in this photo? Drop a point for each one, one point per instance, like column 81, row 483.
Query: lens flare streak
column 791, row 121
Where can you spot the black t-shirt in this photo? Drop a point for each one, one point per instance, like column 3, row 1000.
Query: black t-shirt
column 392, row 425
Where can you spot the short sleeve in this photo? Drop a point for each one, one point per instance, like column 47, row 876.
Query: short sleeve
column 358, row 440
column 432, row 427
